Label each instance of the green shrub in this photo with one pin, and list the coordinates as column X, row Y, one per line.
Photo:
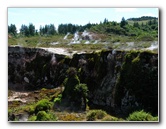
column 43, row 116
column 30, row 109
column 32, row 118
column 70, row 117
column 72, row 72
column 145, row 37
column 109, row 118
column 44, row 89
column 43, row 105
column 52, row 116
column 70, row 83
column 81, row 90
column 155, row 118
column 58, row 99
column 141, row 116
column 74, row 91
column 80, row 96
column 93, row 115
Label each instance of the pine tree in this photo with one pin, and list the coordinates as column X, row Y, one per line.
column 51, row 29
column 31, row 29
column 136, row 24
column 12, row 29
column 123, row 22
column 105, row 21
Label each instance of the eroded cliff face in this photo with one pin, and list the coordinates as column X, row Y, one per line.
column 31, row 68
column 118, row 81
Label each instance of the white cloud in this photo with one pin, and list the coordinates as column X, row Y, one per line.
column 125, row 9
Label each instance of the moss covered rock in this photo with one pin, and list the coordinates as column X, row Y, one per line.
column 138, row 81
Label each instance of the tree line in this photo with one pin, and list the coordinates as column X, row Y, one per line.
column 142, row 18
column 50, row 29
column 47, row 29
column 105, row 27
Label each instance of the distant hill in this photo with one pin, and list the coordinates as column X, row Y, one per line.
column 142, row 18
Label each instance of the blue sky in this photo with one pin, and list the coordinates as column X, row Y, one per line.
column 80, row 16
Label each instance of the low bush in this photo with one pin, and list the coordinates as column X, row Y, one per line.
column 70, row 117
column 58, row 99
column 43, row 105
column 145, row 37
column 93, row 115
column 141, row 116
column 32, row 118
column 109, row 118
column 30, row 109
column 43, row 116
column 81, row 89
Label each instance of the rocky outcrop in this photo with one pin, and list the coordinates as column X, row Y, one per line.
column 118, row 81
column 32, row 68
